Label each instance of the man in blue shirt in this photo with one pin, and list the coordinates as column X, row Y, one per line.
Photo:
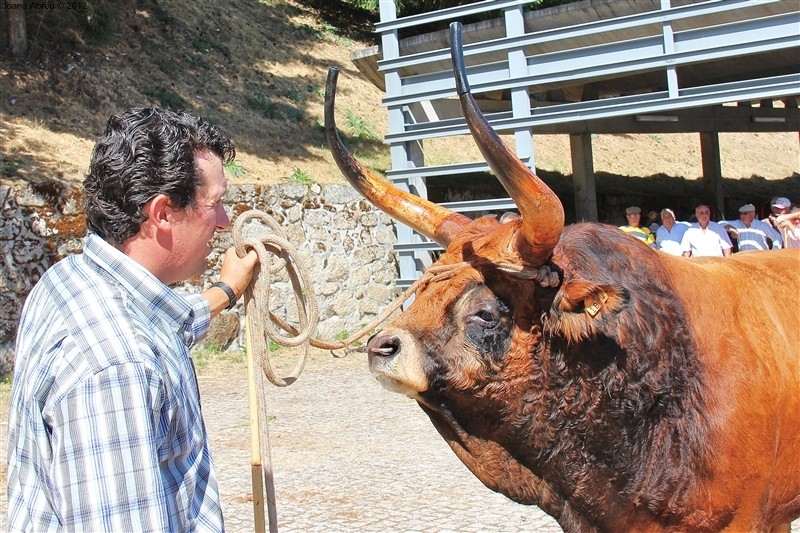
column 670, row 234
column 105, row 431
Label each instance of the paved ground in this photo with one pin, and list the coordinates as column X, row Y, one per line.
column 348, row 457
column 351, row 457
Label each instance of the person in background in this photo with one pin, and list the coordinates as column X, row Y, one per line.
column 105, row 431
column 652, row 225
column 634, row 215
column 752, row 234
column 789, row 225
column 778, row 206
column 670, row 234
column 705, row 238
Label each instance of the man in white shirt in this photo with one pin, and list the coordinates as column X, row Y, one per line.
column 670, row 234
column 705, row 238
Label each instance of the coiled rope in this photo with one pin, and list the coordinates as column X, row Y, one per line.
column 276, row 253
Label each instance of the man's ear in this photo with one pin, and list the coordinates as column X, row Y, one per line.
column 160, row 213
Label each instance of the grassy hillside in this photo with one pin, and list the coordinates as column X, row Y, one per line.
column 258, row 69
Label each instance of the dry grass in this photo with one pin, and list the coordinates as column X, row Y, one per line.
column 220, row 62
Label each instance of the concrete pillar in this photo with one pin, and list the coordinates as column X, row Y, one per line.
column 712, row 170
column 583, row 176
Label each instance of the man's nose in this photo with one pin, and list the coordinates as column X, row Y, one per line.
column 223, row 222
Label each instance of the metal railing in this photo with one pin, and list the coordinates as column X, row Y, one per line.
column 525, row 61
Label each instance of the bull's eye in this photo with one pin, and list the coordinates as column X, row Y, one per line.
column 485, row 318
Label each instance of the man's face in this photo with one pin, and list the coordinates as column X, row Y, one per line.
column 747, row 217
column 633, row 220
column 703, row 214
column 195, row 226
column 779, row 210
column 667, row 219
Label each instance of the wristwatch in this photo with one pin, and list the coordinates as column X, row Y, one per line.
column 227, row 290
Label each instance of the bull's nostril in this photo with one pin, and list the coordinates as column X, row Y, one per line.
column 384, row 346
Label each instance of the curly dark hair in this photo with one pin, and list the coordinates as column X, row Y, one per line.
column 142, row 153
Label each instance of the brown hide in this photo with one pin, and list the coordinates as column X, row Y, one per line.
column 690, row 424
column 746, row 324
column 625, row 390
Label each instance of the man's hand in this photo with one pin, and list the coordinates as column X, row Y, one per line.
column 237, row 271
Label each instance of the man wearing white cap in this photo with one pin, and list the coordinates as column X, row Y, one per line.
column 670, row 234
column 752, row 234
column 779, row 206
column 634, row 215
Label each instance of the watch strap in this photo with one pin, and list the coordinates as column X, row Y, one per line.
column 227, row 290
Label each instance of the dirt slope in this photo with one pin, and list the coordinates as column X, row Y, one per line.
column 258, row 70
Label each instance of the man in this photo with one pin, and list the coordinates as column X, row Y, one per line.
column 670, row 234
column 778, row 206
column 634, row 215
column 752, row 234
column 704, row 237
column 789, row 225
column 105, row 431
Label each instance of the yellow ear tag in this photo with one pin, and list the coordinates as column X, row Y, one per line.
column 593, row 306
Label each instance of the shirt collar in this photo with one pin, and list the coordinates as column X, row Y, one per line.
column 139, row 281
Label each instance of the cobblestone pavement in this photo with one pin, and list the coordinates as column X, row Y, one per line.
column 348, row 457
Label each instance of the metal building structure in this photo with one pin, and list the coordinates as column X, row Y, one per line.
column 606, row 66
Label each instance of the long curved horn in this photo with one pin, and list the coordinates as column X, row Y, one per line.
column 541, row 210
column 432, row 220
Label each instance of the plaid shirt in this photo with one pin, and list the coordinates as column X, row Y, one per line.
column 105, row 430
column 755, row 237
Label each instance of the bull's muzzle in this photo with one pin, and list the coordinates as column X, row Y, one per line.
column 383, row 346
column 396, row 361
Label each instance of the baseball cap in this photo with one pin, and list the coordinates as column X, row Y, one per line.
column 633, row 210
column 780, row 201
column 746, row 208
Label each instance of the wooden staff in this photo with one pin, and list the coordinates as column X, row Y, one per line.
column 255, row 442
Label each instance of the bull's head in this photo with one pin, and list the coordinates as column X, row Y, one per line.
column 461, row 341
column 490, row 354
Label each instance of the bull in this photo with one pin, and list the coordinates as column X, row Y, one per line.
column 574, row 368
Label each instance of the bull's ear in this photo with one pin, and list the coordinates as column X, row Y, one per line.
column 581, row 305
column 583, row 296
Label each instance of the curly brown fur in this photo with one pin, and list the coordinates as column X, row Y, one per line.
column 624, row 391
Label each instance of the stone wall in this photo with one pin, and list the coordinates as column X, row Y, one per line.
column 343, row 241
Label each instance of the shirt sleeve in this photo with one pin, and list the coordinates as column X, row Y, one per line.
column 685, row 242
column 724, row 240
column 105, row 434
column 651, row 239
column 202, row 314
column 775, row 236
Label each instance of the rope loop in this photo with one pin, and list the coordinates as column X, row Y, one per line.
column 276, row 253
